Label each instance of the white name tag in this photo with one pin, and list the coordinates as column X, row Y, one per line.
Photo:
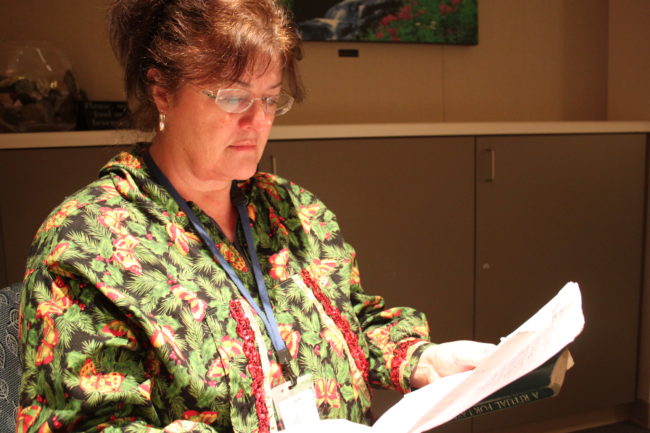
column 295, row 405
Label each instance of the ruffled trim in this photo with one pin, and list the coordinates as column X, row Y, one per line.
column 341, row 322
column 401, row 358
column 254, row 366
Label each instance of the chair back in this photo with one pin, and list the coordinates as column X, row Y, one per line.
column 10, row 361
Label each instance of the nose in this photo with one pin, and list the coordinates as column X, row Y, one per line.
column 256, row 116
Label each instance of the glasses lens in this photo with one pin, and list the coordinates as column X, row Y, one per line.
column 239, row 100
column 233, row 100
column 282, row 104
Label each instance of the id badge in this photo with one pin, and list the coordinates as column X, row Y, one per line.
column 295, row 405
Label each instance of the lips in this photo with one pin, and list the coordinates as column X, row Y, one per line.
column 243, row 148
column 245, row 144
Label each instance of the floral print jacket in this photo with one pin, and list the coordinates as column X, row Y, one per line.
column 129, row 324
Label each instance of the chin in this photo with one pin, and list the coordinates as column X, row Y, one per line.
column 245, row 174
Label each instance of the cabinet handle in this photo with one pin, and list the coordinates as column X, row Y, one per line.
column 492, row 155
column 274, row 164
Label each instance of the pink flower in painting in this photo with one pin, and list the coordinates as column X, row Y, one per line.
column 405, row 13
column 387, row 20
column 445, row 9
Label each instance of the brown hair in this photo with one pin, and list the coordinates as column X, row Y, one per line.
column 198, row 41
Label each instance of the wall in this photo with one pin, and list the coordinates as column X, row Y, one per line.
column 77, row 28
column 536, row 60
column 629, row 60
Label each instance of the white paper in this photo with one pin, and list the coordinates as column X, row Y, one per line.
column 554, row 326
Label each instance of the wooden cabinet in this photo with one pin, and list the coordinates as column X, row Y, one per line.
column 33, row 182
column 544, row 210
column 478, row 232
column 558, row 209
column 407, row 206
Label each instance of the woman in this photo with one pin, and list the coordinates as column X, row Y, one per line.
column 182, row 291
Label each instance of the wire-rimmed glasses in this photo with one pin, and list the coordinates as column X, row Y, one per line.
column 239, row 100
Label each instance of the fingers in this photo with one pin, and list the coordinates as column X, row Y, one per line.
column 449, row 358
column 458, row 356
column 470, row 353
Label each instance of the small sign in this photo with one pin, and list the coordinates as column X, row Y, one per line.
column 103, row 114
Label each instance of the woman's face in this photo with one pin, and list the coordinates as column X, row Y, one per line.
column 213, row 144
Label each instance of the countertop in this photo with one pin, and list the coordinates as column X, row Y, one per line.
column 312, row 132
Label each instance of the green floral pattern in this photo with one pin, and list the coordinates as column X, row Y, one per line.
column 128, row 323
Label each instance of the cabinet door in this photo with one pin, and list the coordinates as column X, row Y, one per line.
column 34, row 182
column 552, row 209
column 407, row 206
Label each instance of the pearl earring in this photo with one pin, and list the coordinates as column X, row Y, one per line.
column 161, row 122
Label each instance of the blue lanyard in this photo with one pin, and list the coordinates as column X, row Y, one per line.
column 267, row 316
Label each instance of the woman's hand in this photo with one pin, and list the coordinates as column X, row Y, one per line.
column 449, row 358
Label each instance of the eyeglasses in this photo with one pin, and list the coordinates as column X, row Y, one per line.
column 239, row 100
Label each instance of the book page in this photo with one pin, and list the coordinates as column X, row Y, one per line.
column 543, row 335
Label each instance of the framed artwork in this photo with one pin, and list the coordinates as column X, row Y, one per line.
column 406, row 21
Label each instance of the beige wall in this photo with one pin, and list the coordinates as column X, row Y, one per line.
column 629, row 60
column 536, row 60
column 77, row 28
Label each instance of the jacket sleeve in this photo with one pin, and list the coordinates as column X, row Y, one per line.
column 396, row 337
column 86, row 368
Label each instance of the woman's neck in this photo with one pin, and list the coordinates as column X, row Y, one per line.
column 212, row 197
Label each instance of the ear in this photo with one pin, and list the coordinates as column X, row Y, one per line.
column 161, row 96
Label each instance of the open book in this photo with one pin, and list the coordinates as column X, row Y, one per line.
column 530, row 346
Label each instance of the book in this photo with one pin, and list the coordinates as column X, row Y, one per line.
column 543, row 382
